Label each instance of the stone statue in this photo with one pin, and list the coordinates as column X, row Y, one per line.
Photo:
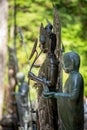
column 9, row 121
column 47, row 109
column 12, row 71
column 22, row 98
column 70, row 102
column 26, row 114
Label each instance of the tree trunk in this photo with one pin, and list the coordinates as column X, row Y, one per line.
column 3, row 42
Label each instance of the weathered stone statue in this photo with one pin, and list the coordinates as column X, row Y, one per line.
column 70, row 102
column 12, row 71
column 26, row 114
column 22, row 99
column 47, row 109
column 9, row 121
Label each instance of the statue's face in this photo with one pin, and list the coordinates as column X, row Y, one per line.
column 43, row 43
column 71, row 62
column 67, row 64
column 45, row 38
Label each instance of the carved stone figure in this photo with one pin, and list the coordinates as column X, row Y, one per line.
column 9, row 121
column 22, row 99
column 70, row 102
column 26, row 116
column 12, row 70
column 47, row 109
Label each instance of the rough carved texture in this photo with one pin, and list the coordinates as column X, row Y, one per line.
column 48, row 73
column 47, row 109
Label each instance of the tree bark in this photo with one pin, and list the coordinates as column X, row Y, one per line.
column 3, row 42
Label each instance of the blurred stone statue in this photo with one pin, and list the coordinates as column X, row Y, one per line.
column 26, row 114
column 70, row 102
column 12, row 71
column 9, row 121
column 22, row 99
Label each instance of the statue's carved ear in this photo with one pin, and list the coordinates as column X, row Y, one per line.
column 33, row 49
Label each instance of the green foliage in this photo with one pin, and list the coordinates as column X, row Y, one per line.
column 73, row 16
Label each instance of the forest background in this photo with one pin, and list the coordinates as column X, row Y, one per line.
column 30, row 14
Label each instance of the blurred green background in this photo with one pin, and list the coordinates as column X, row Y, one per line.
column 30, row 14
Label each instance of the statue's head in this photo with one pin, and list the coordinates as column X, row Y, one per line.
column 20, row 77
column 47, row 38
column 71, row 62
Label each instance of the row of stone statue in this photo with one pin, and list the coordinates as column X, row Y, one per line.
column 69, row 114
column 57, row 110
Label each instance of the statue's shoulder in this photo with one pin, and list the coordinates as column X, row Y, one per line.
column 77, row 77
column 80, row 78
